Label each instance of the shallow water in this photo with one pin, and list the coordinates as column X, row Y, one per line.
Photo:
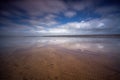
column 59, row 58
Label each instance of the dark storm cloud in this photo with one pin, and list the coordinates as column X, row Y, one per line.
column 59, row 16
column 56, row 6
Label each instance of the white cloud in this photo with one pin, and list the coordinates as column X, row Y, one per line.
column 39, row 27
column 94, row 26
column 54, row 31
column 77, row 25
column 100, row 25
column 42, row 31
column 58, row 30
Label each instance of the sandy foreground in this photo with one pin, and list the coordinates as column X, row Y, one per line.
column 56, row 63
column 59, row 60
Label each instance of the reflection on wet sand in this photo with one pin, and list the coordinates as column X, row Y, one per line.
column 59, row 59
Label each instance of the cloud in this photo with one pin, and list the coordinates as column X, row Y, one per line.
column 46, row 21
column 57, row 30
column 99, row 25
column 70, row 14
column 81, row 5
column 54, row 31
column 107, row 10
column 103, row 25
column 39, row 7
column 60, row 16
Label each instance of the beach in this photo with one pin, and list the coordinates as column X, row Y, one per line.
column 60, row 59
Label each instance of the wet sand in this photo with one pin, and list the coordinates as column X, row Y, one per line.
column 58, row 62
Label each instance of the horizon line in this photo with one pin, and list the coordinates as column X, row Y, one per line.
column 79, row 35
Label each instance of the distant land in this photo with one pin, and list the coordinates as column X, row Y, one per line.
column 90, row 35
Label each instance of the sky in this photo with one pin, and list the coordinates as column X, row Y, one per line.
column 59, row 17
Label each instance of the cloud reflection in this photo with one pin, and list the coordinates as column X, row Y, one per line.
column 76, row 44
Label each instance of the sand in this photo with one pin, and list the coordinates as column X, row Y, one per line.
column 57, row 63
